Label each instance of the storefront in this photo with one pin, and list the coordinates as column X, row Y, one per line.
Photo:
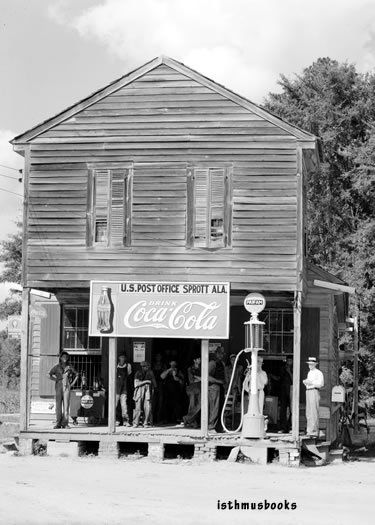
column 160, row 327
column 168, row 181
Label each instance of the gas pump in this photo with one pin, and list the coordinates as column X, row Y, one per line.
column 252, row 423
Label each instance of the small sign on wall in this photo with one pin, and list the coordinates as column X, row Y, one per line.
column 43, row 407
column 14, row 326
column 338, row 394
column 139, row 351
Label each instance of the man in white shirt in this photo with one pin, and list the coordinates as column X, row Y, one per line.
column 314, row 382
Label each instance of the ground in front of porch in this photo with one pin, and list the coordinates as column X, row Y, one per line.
column 56, row 490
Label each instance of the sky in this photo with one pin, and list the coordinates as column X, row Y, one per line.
column 56, row 52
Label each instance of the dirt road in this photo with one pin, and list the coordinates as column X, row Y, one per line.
column 89, row 490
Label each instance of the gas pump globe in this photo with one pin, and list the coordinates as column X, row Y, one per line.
column 253, row 421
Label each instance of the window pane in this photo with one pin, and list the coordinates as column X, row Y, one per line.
column 288, row 322
column 276, row 344
column 101, row 228
column 288, row 344
column 69, row 339
column 275, row 321
column 69, row 317
column 82, row 318
column 82, row 339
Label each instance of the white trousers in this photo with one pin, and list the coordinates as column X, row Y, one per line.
column 312, row 411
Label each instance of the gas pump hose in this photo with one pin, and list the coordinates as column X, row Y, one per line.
column 227, row 397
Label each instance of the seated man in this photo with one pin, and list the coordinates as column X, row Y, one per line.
column 144, row 383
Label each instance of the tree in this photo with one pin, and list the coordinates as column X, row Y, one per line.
column 11, row 256
column 337, row 104
column 10, row 349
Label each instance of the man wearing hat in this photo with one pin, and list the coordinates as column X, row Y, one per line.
column 313, row 383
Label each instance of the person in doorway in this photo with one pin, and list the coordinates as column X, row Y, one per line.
column 216, row 388
column 65, row 378
column 193, row 391
column 158, row 368
column 286, row 385
column 123, row 372
column 144, row 384
column 172, row 386
column 313, row 383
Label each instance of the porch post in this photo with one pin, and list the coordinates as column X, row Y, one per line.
column 112, row 358
column 204, row 386
column 24, row 395
column 297, row 309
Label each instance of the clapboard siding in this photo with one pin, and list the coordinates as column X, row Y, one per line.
column 163, row 123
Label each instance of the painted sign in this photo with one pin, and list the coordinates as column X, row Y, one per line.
column 254, row 303
column 87, row 402
column 14, row 326
column 42, row 407
column 338, row 394
column 139, row 351
column 195, row 310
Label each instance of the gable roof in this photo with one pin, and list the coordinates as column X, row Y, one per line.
column 67, row 113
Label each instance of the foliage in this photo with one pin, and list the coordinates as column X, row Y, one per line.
column 11, row 256
column 10, row 350
column 10, row 306
column 337, row 104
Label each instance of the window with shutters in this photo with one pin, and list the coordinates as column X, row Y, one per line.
column 109, row 214
column 209, row 209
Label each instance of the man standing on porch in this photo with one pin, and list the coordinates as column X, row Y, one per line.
column 314, row 382
column 65, row 378
column 123, row 372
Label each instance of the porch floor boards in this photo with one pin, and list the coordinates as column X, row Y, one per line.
column 171, row 434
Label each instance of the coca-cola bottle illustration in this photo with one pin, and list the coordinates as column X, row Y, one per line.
column 104, row 311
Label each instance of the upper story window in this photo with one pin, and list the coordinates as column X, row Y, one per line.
column 109, row 208
column 209, row 209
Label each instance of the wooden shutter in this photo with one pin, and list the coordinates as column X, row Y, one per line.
column 201, row 207
column 217, row 191
column 310, row 342
column 228, row 207
column 101, row 203
column 118, row 196
column 49, row 347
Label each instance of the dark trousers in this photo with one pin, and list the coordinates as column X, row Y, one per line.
column 284, row 405
column 62, row 397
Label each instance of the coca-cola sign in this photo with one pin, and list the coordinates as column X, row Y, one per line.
column 195, row 310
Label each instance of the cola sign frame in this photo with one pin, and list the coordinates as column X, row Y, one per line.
column 188, row 310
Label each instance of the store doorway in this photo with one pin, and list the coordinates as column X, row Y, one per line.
column 171, row 360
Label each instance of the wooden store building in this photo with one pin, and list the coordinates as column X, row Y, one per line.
column 165, row 181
